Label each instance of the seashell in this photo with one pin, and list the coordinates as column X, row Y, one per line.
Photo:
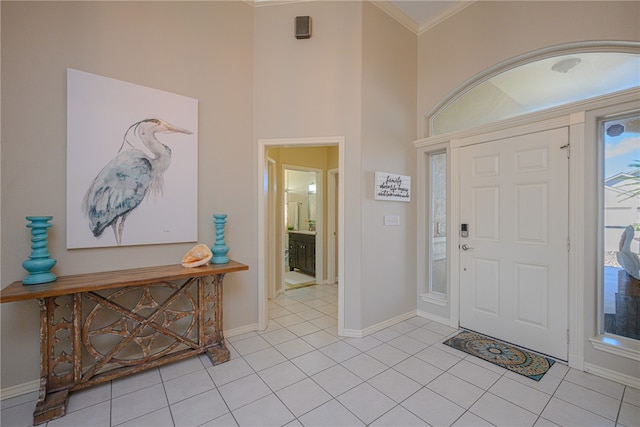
column 198, row 255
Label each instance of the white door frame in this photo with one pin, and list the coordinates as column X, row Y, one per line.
column 263, row 190
column 333, row 177
column 272, row 272
column 582, row 139
column 521, row 125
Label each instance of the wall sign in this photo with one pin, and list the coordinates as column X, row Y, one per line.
column 389, row 186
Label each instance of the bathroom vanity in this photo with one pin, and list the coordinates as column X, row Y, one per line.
column 302, row 251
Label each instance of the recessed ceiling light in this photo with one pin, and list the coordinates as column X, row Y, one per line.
column 566, row 64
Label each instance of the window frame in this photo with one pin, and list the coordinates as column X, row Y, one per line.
column 604, row 341
column 425, row 251
column 520, row 60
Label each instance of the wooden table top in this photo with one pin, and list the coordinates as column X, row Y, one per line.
column 65, row 285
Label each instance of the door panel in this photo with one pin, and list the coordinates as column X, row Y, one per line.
column 531, row 213
column 486, row 286
column 486, row 213
column 514, row 271
column 531, row 284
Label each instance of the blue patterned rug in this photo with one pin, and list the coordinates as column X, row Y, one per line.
column 502, row 354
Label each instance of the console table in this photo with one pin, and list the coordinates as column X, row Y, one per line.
column 101, row 326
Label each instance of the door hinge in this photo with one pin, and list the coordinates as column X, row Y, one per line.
column 568, row 244
column 568, row 336
column 568, row 148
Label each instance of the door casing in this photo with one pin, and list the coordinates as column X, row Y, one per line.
column 448, row 311
column 582, row 134
column 333, row 177
column 263, row 241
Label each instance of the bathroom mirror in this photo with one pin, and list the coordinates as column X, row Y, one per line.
column 300, row 200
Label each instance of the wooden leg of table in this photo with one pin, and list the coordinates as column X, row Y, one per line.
column 218, row 354
column 53, row 406
column 49, row 405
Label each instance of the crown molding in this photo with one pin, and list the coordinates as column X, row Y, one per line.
column 264, row 3
column 387, row 7
column 455, row 8
column 390, row 9
column 397, row 14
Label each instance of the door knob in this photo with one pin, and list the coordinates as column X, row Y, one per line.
column 466, row 248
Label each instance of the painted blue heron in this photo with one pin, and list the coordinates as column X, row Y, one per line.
column 124, row 182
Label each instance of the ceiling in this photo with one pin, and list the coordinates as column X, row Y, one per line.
column 420, row 15
column 416, row 15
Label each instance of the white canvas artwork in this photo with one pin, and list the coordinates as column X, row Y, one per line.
column 132, row 164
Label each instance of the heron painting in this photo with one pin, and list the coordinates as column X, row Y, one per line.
column 129, row 181
column 125, row 181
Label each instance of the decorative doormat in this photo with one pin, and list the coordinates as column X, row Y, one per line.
column 499, row 353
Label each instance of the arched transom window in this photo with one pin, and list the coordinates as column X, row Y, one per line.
column 541, row 82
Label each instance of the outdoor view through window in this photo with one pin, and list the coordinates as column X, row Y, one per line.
column 622, row 226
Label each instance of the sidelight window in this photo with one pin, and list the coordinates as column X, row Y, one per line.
column 438, row 221
column 621, row 219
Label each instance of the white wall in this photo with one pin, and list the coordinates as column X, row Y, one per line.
column 388, row 131
column 253, row 80
column 312, row 88
column 202, row 50
column 355, row 77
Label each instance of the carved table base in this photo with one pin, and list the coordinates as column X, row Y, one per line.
column 99, row 333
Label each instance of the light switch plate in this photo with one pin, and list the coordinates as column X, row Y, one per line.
column 391, row 220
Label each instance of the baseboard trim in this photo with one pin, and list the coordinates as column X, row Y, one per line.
column 20, row 389
column 352, row 333
column 359, row 333
column 31, row 386
column 242, row 330
column 576, row 362
column 439, row 319
column 612, row 375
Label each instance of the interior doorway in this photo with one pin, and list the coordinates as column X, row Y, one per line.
column 270, row 245
column 303, row 230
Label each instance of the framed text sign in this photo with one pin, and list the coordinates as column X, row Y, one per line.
column 389, row 186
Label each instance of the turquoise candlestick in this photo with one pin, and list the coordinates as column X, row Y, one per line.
column 40, row 262
column 220, row 249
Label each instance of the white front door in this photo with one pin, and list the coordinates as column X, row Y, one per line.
column 514, row 263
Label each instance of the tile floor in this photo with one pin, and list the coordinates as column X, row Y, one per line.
column 299, row 372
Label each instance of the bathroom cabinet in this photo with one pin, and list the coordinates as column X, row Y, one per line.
column 302, row 252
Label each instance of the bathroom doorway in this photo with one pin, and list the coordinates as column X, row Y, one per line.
column 302, row 214
column 274, row 155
